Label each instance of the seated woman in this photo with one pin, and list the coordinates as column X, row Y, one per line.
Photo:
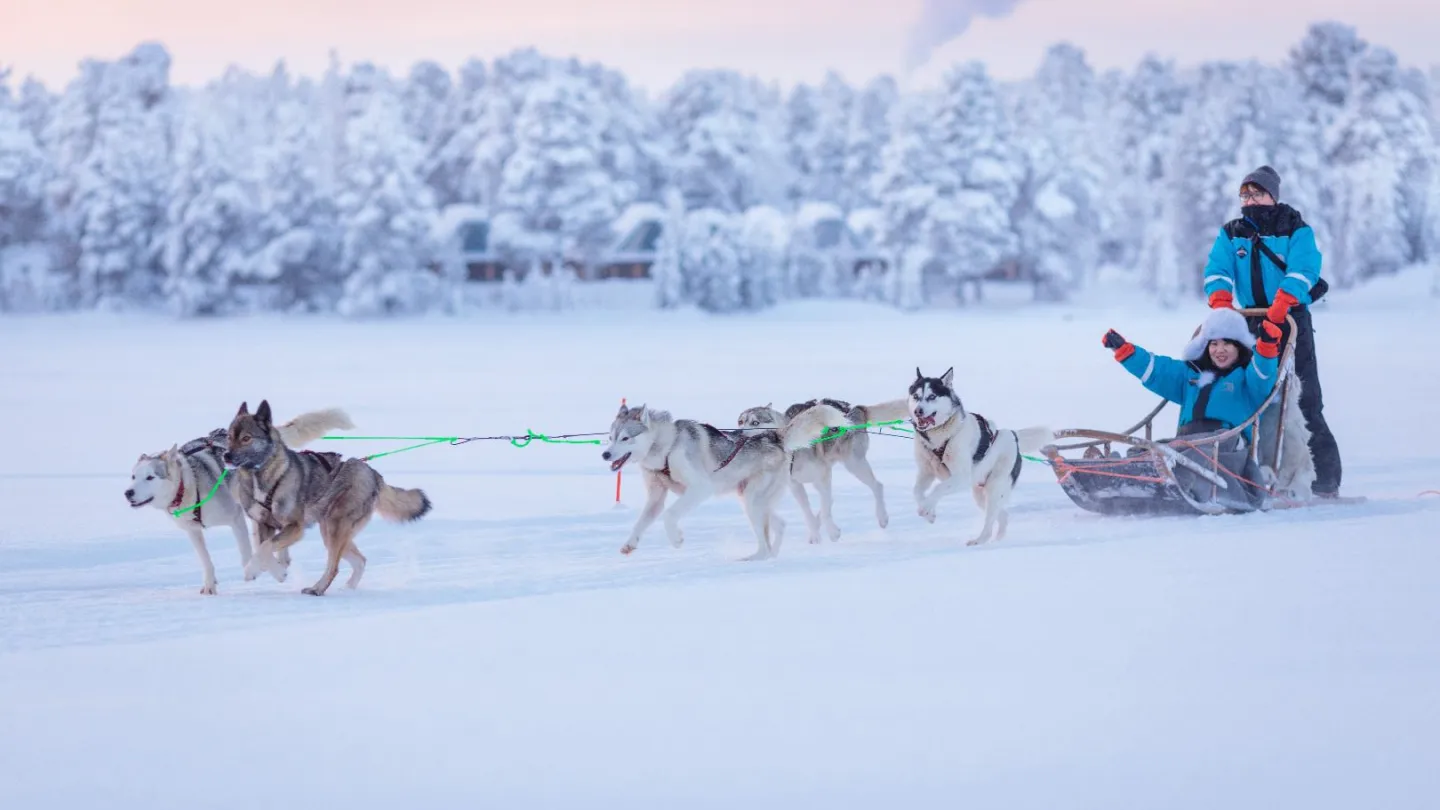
column 1223, row 377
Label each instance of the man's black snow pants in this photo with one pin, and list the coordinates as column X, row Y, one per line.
column 1322, row 442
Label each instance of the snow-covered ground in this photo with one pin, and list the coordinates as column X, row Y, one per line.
column 502, row 653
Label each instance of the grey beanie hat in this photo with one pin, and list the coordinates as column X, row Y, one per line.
column 1266, row 178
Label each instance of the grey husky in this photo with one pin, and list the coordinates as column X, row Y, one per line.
column 698, row 461
column 285, row 492
column 181, row 477
column 812, row 465
column 962, row 449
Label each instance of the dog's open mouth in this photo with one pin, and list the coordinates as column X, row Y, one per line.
column 922, row 421
column 134, row 505
column 619, row 462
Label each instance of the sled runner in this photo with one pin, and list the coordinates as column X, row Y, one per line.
column 1221, row 472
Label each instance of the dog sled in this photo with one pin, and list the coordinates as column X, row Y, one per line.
column 1232, row 471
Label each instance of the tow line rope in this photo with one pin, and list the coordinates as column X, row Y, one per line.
column 585, row 438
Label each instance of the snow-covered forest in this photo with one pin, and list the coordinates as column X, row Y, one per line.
column 270, row 192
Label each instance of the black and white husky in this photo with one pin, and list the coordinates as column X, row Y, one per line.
column 962, row 449
column 697, row 461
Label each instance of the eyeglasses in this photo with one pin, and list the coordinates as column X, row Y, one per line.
column 1250, row 196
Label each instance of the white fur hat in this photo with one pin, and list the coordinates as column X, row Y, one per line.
column 1223, row 323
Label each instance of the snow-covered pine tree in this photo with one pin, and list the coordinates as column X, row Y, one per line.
column 830, row 148
column 668, row 271
column 763, row 233
column 1321, row 64
column 25, row 279
column 816, row 137
column 35, row 105
column 298, row 230
column 1382, row 150
column 385, row 209
column 1202, row 166
column 802, row 123
column 712, row 257
column 423, row 98
column 554, row 188
column 979, row 181
column 463, row 125
column 1146, row 117
column 211, row 216
column 633, row 148
column 1062, row 212
column 117, row 207
column 866, row 133
column 729, row 153
column 905, row 186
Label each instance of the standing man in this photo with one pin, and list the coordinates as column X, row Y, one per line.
column 1268, row 259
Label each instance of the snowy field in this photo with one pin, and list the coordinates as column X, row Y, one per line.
column 502, row 653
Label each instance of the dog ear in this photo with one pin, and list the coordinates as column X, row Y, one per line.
column 644, row 416
column 622, row 412
column 262, row 413
column 918, row 375
column 948, row 377
column 244, row 409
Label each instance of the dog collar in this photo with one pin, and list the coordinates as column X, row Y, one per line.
column 179, row 495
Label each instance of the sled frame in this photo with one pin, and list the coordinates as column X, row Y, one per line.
column 1164, row 459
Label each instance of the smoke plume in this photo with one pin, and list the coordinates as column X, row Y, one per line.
column 943, row 20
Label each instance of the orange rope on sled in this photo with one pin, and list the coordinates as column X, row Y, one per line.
column 1068, row 468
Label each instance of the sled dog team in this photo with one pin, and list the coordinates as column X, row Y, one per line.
column 257, row 471
column 1266, row 258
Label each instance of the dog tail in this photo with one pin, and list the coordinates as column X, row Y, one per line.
column 1033, row 438
column 810, row 424
column 307, row 427
column 885, row 411
column 401, row 505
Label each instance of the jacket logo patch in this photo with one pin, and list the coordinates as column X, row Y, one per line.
column 1228, row 388
column 1242, row 253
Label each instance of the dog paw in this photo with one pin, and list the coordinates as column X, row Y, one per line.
column 927, row 511
column 250, row 576
column 311, row 592
column 883, row 520
column 626, row 549
column 678, row 539
column 208, row 589
column 977, row 541
column 834, row 533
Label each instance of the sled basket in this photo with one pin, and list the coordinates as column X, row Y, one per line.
column 1132, row 473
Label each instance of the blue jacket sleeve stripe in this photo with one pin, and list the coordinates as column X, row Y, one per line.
column 1302, row 265
column 1221, row 280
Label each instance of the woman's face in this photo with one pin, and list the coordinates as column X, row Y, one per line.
column 1223, row 354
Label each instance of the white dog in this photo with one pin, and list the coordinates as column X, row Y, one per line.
column 962, row 449
column 698, row 461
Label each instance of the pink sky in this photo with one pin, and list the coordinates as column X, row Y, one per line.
column 654, row 41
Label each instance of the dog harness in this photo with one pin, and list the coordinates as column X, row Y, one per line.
column 987, row 437
column 205, row 446
column 180, row 497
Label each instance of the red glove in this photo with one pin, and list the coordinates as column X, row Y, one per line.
column 1222, row 299
column 1123, row 348
column 1281, row 306
column 1267, row 343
